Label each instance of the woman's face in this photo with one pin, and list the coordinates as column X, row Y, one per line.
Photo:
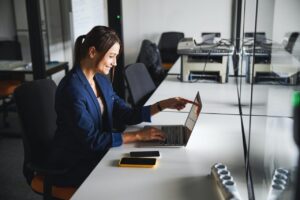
column 109, row 60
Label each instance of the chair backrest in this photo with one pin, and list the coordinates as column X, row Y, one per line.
column 35, row 106
column 10, row 50
column 296, row 49
column 150, row 56
column 168, row 46
column 291, row 41
column 140, row 83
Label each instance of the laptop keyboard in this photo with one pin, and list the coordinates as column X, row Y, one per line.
column 173, row 134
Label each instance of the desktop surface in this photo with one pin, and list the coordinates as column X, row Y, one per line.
column 181, row 173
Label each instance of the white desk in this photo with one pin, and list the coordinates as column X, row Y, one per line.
column 182, row 173
column 216, row 97
column 175, row 69
column 269, row 100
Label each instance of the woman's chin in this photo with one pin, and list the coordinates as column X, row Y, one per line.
column 104, row 72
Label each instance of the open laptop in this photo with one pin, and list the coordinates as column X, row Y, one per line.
column 179, row 135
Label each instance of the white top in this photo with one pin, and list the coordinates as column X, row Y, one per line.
column 101, row 105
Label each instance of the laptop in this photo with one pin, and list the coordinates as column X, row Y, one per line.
column 179, row 135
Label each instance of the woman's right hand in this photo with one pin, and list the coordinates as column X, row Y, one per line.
column 146, row 134
column 149, row 134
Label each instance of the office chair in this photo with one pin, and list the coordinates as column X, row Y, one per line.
column 291, row 42
column 139, row 82
column 296, row 49
column 9, row 50
column 35, row 106
column 168, row 47
column 149, row 55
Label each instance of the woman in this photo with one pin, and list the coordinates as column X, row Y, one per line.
column 86, row 107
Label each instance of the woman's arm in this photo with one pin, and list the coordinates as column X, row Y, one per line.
column 172, row 103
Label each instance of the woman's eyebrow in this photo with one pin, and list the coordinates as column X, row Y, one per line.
column 112, row 53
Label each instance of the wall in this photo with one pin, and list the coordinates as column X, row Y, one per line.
column 144, row 19
column 87, row 14
column 7, row 27
column 286, row 18
column 264, row 16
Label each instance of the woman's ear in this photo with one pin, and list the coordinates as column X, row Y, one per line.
column 92, row 52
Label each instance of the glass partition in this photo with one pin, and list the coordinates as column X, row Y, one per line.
column 270, row 74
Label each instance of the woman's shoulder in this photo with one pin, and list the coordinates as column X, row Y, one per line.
column 71, row 83
column 71, row 78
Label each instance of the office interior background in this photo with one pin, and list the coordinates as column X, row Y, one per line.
column 265, row 86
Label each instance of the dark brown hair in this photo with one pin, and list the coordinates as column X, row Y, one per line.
column 100, row 37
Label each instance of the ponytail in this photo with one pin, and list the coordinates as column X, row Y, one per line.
column 78, row 54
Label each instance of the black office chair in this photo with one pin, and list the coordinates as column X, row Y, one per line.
column 291, row 42
column 149, row 55
column 168, row 47
column 139, row 82
column 35, row 106
column 9, row 50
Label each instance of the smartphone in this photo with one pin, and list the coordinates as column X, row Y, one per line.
column 144, row 154
column 137, row 162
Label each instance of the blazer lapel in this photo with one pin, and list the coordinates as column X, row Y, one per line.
column 89, row 89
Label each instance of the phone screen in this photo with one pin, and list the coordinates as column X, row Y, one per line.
column 144, row 154
column 137, row 162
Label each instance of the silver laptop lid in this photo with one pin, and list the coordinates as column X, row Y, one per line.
column 194, row 113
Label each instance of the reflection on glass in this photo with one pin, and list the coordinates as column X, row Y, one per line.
column 270, row 65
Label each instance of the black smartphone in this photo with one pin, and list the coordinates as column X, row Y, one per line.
column 137, row 162
column 144, row 154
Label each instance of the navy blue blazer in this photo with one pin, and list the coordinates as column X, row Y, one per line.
column 83, row 135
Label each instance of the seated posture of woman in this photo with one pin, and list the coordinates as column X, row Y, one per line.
column 86, row 107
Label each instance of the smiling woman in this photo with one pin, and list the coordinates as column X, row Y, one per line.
column 87, row 108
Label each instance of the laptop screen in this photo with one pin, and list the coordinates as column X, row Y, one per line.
column 194, row 113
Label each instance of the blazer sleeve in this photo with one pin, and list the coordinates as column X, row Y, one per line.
column 87, row 130
column 127, row 115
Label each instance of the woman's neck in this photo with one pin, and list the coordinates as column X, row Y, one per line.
column 88, row 71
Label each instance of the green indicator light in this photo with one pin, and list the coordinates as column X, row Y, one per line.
column 118, row 17
column 296, row 99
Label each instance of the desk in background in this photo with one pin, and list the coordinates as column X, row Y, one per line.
column 272, row 63
column 18, row 69
column 216, row 97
